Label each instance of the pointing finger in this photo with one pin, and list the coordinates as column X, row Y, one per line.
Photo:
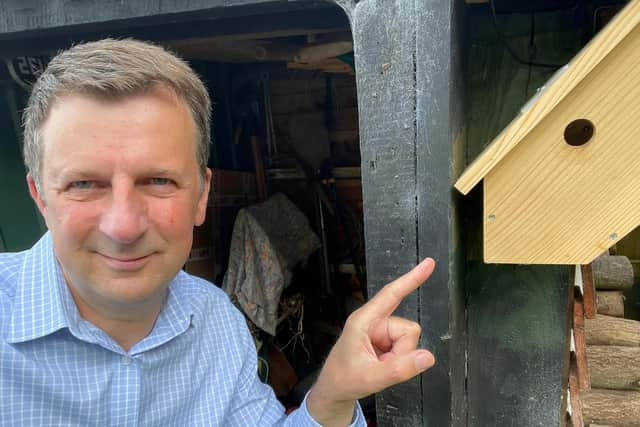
column 387, row 300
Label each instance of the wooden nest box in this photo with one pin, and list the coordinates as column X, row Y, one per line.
column 562, row 181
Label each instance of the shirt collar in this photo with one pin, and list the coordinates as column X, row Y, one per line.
column 38, row 308
column 175, row 317
column 44, row 305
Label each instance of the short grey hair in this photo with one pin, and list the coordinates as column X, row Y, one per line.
column 113, row 69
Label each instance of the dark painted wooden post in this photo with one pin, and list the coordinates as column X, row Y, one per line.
column 440, row 157
column 410, row 115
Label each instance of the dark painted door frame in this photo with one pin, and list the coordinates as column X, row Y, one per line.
column 410, row 107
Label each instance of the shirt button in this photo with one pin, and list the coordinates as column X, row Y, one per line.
column 127, row 360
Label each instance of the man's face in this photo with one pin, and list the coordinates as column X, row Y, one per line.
column 120, row 193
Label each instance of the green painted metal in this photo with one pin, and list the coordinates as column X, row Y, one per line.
column 20, row 224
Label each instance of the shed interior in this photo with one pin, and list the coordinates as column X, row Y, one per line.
column 285, row 121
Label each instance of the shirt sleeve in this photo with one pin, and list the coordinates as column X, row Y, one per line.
column 255, row 403
column 307, row 420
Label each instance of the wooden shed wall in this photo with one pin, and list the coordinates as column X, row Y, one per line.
column 517, row 315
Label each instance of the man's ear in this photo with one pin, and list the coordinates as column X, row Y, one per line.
column 201, row 209
column 36, row 195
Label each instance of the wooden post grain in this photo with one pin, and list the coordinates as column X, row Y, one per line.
column 574, row 390
column 588, row 292
column 579, row 338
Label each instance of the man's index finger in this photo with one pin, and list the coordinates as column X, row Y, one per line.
column 389, row 297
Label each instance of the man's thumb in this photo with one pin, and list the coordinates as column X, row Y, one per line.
column 404, row 367
column 423, row 360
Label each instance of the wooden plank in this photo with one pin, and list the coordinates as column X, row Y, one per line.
column 582, row 369
column 526, row 219
column 574, row 388
column 607, row 330
column 16, row 17
column 331, row 65
column 588, row 292
column 611, row 407
column 387, row 145
column 614, row 367
column 611, row 303
column 578, row 70
column 261, row 18
column 518, row 337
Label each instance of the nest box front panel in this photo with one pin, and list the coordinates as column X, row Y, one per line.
column 571, row 188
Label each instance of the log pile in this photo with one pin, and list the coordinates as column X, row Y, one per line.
column 604, row 379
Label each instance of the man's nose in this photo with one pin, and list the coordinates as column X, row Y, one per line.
column 125, row 217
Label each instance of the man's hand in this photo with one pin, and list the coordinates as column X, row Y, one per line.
column 375, row 350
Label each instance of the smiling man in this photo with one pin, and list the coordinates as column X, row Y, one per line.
column 99, row 324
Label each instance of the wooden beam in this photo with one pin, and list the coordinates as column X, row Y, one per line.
column 217, row 24
column 588, row 292
column 574, row 389
column 403, row 55
column 239, row 51
column 439, row 31
column 45, row 15
column 388, row 188
column 582, row 370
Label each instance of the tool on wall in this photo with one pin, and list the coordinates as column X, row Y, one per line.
column 247, row 114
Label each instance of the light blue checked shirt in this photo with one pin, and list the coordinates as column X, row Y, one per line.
column 197, row 367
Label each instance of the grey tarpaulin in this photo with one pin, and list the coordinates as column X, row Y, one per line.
column 268, row 240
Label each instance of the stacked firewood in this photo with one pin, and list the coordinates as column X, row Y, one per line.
column 604, row 380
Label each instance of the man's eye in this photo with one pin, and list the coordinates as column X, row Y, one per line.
column 81, row 185
column 159, row 181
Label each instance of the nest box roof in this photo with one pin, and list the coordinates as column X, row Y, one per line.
column 558, row 87
column 562, row 181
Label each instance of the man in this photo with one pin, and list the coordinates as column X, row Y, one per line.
column 99, row 324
